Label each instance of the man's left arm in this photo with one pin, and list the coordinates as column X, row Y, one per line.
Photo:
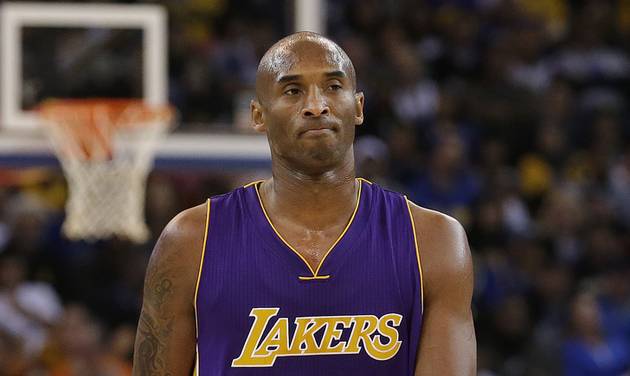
column 447, row 344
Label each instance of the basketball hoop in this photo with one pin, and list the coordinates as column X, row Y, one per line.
column 106, row 149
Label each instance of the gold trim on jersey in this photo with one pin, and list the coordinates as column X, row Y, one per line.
column 252, row 183
column 302, row 278
column 199, row 270
column 196, row 369
column 415, row 242
column 315, row 272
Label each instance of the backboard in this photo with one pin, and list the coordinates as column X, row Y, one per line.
column 74, row 43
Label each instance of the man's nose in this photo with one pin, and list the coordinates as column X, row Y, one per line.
column 316, row 104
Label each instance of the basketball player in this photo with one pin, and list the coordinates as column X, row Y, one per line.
column 313, row 271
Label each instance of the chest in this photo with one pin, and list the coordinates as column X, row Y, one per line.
column 365, row 266
column 312, row 245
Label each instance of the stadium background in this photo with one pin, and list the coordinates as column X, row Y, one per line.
column 509, row 115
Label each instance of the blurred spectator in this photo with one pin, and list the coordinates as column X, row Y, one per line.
column 27, row 309
column 71, row 344
column 416, row 98
column 614, row 299
column 447, row 184
column 619, row 182
column 589, row 350
column 371, row 156
column 13, row 361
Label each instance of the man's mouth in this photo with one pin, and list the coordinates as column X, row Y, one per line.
column 317, row 130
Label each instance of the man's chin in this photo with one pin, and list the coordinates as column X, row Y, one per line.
column 315, row 159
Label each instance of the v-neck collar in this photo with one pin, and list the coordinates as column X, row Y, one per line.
column 272, row 235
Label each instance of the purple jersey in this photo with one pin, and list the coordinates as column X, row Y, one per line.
column 262, row 310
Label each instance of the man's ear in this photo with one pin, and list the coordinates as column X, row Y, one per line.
column 359, row 101
column 258, row 119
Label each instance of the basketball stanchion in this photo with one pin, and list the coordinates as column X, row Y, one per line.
column 106, row 149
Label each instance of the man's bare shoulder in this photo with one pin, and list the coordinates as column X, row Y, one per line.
column 181, row 241
column 188, row 225
column 433, row 226
column 432, row 217
column 443, row 247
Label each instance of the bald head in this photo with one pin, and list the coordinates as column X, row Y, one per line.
column 300, row 47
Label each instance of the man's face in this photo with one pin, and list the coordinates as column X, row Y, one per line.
column 308, row 106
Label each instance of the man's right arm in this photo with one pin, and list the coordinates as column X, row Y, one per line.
column 166, row 335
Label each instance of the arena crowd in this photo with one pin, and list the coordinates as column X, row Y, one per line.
column 510, row 115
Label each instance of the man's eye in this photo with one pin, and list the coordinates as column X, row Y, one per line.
column 335, row 87
column 291, row 92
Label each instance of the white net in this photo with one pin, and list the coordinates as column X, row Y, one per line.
column 106, row 150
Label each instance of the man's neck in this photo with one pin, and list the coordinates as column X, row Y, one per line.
column 316, row 200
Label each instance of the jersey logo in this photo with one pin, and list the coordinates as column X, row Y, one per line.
column 361, row 331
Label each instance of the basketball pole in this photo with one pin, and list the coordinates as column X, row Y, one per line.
column 309, row 16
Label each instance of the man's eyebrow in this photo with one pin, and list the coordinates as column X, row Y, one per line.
column 337, row 74
column 297, row 77
column 289, row 77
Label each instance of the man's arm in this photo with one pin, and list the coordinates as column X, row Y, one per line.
column 166, row 335
column 447, row 344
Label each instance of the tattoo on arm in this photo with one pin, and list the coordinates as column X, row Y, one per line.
column 156, row 323
column 150, row 361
